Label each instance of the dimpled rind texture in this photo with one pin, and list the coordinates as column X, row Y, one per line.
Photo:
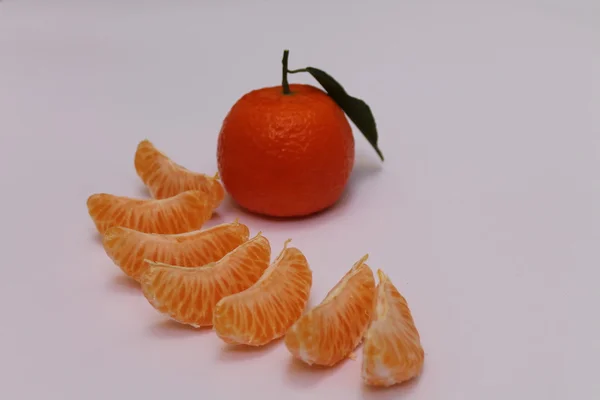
column 285, row 155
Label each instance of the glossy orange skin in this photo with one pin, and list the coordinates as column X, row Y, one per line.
column 285, row 155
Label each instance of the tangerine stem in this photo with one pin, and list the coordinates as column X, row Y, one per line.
column 295, row 71
column 284, row 72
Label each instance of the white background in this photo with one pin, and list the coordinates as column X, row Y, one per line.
column 485, row 214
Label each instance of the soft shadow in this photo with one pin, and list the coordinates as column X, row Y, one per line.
column 97, row 237
column 143, row 192
column 302, row 375
column 169, row 329
column 217, row 218
column 365, row 167
column 124, row 284
column 401, row 390
column 236, row 353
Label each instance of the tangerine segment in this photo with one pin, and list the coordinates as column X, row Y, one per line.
column 330, row 332
column 392, row 352
column 188, row 295
column 129, row 248
column 165, row 178
column 185, row 212
column 266, row 310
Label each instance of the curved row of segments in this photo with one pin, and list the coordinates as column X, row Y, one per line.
column 217, row 277
column 221, row 277
column 353, row 310
column 250, row 301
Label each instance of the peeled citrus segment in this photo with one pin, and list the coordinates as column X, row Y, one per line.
column 266, row 310
column 392, row 351
column 189, row 295
column 329, row 333
column 164, row 178
column 129, row 248
column 184, row 212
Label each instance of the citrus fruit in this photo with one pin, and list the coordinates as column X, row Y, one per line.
column 184, row 212
column 330, row 332
column 129, row 248
column 285, row 155
column 188, row 295
column 266, row 310
column 392, row 351
column 165, row 178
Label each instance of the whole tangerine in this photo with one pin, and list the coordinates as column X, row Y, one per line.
column 285, row 151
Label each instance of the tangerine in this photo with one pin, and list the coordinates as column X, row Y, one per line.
column 267, row 309
column 329, row 333
column 392, row 351
column 165, row 178
column 188, row 295
column 285, row 155
column 129, row 248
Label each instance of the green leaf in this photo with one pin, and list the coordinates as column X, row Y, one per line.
column 357, row 110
